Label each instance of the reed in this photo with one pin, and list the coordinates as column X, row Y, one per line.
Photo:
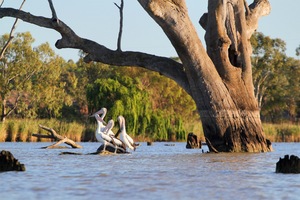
column 11, row 131
column 73, row 131
column 88, row 134
column 284, row 132
column 22, row 130
column 196, row 128
column 2, row 132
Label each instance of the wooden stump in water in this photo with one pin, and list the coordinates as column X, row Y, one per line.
column 9, row 163
column 149, row 143
column 192, row 142
column 289, row 164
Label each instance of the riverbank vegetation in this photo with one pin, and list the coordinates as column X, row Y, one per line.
column 39, row 87
column 21, row 130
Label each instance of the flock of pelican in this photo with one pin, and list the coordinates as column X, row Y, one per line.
column 105, row 135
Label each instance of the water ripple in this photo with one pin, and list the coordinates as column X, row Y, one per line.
column 151, row 172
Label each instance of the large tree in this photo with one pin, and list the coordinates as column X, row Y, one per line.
column 19, row 63
column 218, row 78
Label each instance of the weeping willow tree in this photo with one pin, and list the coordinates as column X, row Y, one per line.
column 122, row 95
column 218, row 77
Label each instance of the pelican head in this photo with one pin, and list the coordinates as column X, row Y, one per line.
column 102, row 111
column 120, row 119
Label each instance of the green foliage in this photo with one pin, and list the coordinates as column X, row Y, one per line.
column 276, row 79
column 284, row 132
column 30, row 82
column 152, row 105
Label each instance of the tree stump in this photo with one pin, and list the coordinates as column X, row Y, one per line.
column 60, row 139
column 192, row 142
column 149, row 143
column 289, row 164
column 9, row 163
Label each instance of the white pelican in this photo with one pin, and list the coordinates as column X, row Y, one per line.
column 103, row 136
column 101, row 123
column 124, row 137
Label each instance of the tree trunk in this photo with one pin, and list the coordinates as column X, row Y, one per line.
column 220, row 80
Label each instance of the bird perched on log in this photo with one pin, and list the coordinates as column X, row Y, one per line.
column 124, row 137
column 100, row 120
column 103, row 136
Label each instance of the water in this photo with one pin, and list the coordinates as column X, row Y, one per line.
column 151, row 172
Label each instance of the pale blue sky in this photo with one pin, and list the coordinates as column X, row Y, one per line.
column 98, row 20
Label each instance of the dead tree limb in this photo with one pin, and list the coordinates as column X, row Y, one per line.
column 121, row 8
column 11, row 32
column 54, row 16
column 56, row 137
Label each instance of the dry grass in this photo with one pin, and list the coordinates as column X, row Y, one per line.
column 282, row 132
column 22, row 130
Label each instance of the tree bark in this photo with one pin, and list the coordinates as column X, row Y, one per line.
column 219, row 79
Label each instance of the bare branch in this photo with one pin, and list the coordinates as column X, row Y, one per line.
column 121, row 8
column 2, row 1
column 54, row 135
column 54, row 16
column 257, row 9
column 14, row 106
column 11, row 32
column 100, row 53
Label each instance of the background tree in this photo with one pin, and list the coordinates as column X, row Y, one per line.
column 19, row 63
column 275, row 78
column 218, row 78
column 268, row 61
column 50, row 87
column 31, row 84
column 137, row 95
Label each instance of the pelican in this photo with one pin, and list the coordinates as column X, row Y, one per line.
column 100, row 120
column 103, row 136
column 124, row 137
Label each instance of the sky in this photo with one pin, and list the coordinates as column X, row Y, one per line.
column 98, row 20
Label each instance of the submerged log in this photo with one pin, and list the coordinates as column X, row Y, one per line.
column 60, row 139
column 110, row 149
column 192, row 142
column 9, row 163
column 289, row 164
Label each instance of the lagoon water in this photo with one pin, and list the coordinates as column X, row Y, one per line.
column 160, row 171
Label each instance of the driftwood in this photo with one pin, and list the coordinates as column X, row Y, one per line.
column 109, row 150
column 53, row 135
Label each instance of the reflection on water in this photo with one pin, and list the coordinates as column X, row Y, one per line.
column 151, row 172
